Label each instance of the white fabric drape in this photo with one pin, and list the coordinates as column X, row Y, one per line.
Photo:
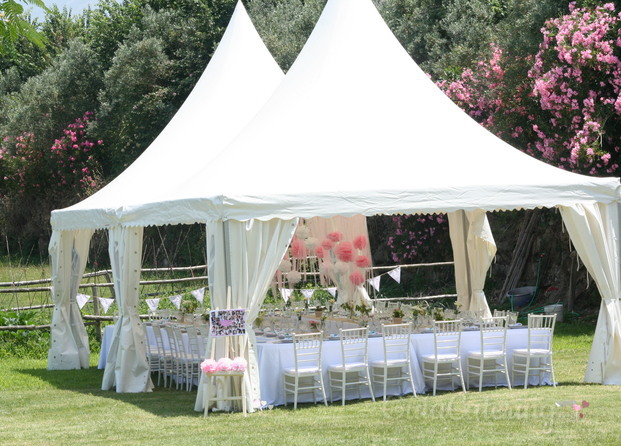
column 127, row 368
column 600, row 255
column 69, row 342
column 244, row 255
column 473, row 252
column 350, row 227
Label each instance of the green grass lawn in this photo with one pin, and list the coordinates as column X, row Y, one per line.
column 40, row 407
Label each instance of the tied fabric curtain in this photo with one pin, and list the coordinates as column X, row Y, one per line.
column 69, row 342
column 473, row 251
column 244, row 256
column 127, row 368
column 600, row 254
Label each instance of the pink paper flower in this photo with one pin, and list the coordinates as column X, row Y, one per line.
column 362, row 261
column 209, row 366
column 298, row 250
column 360, row 242
column 335, row 236
column 319, row 252
column 225, row 365
column 293, row 277
column 239, row 364
column 356, row 278
column 344, row 251
column 576, row 407
column 327, row 244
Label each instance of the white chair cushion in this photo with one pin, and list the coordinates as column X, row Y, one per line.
column 351, row 367
column 302, row 371
column 533, row 352
column 390, row 363
column 446, row 357
column 488, row 354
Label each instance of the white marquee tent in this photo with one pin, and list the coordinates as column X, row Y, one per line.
column 356, row 128
column 239, row 78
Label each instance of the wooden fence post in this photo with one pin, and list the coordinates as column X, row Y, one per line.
column 96, row 312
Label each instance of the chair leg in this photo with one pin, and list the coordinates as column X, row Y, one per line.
column 412, row 381
column 526, row 370
column 295, row 394
column 507, row 373
column 552, row 372
column 370, row 386
column 323, row 389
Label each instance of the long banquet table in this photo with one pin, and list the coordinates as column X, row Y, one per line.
column 274, row 356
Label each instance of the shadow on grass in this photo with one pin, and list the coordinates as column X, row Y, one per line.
column 161, row 402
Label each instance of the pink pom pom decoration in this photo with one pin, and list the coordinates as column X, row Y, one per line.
column 335, row 236
column 298, row 249
column 362, row 261
column 225, row 365
column 356, row 278
column 327, row 244
column 239, row 364
column 360, row 242
column 344, row 251
column 319, row 252
column 209, row 366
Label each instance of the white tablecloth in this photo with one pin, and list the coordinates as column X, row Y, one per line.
column 275, row 357
column 107, row 340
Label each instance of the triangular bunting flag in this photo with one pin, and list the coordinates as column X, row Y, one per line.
column 286, row 293
column 199, row 294
column 395, row 274
column 105, row 303
column 81, row 299
column 153, row 304
column 176, row 300
column 332, row 290
column 308, row 293
column 375, row 282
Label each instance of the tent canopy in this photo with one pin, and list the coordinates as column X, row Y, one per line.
column 238, row 80
column 357, row 128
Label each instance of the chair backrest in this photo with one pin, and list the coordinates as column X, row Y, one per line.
column 540, row 331
column 494, row 334
column 396, row 339
column 307, row 350
column 176, row 349
column 447, row 337
column 195, row 349
column 159, row 341
column 510, row 315
column 354, row 343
